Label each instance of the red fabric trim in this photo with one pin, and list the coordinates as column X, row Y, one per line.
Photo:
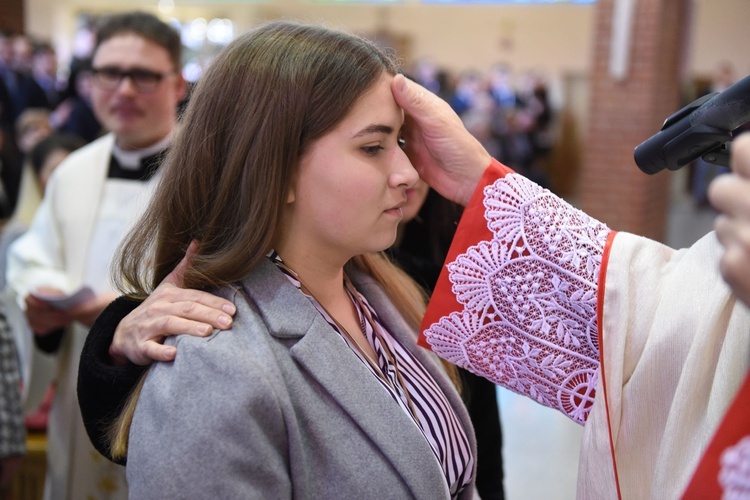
column 471, row 230
column 600, row 327
column 734, row 426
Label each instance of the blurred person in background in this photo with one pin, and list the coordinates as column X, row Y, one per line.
column 75, row 115
column 31, row 126
column 501, row 88
column 44, row 73
column 468, row 86
column 7, row 114
column 91, row 201
column 28, row 94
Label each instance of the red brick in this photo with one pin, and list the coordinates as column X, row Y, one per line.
column 624, row 113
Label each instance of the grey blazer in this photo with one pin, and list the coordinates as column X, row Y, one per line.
column 279, row 407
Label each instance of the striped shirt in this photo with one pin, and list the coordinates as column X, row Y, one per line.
column 434, row 415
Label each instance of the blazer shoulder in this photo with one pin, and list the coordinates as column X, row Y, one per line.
column 246, row 342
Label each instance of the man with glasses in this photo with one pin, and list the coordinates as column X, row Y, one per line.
column 91, row 201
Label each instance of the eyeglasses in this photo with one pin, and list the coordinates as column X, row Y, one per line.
column 110, row 78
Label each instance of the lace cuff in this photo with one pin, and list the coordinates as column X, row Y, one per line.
column 526, row 315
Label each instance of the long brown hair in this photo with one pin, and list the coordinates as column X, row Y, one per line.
column 265, row 98
column 263, row 101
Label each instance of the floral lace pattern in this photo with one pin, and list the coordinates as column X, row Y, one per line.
column 734, row 475
column 529, row 299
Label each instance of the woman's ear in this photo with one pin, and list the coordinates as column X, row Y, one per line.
column 291, row 197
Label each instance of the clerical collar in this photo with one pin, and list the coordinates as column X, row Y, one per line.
column 131, row 159
column 140, row 164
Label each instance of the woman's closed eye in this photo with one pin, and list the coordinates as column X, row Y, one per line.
column 372, row 150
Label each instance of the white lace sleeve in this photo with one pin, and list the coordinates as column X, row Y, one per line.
column 529, row 298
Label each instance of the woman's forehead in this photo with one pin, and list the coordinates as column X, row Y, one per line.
column 376, row 106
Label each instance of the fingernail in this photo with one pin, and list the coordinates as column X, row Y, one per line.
column 229, row 309
column 225, row 321
column 204, row 329
column 401, row 84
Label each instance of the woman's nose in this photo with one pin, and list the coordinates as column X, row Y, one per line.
column 404, row 174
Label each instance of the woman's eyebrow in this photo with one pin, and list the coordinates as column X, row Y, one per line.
column 374, row 129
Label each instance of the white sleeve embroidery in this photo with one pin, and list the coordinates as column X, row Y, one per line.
column 529, row 299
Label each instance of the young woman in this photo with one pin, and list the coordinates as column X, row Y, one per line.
column 292, row 187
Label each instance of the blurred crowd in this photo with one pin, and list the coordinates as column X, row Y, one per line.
column 38, row 99
column 509, row 113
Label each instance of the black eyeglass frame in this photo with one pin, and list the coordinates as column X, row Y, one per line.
column 145, row 81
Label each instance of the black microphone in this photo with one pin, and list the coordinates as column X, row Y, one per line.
column 703, row 128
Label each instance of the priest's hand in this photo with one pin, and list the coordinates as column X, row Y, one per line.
column 444, row 153
column 730, row 194
column 169, row 310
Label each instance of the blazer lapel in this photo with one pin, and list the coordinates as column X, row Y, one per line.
column 397, row 326
column 326, row 357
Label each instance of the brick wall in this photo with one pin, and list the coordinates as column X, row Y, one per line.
column 626, row 112
column 11, row 16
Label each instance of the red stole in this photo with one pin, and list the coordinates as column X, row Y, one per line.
column 727, row 458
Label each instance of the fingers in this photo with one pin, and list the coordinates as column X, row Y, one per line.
column 169, row 311
column 733, row 232
column 407, row 94
column 178, row 311
column 192, row 304
column 139, row 340
column 740, row 155
column 143, row 354
column 176, row 276
column 154, row 351
column 186, row 318
column 421, row 105
column 734, row 270
column 730, row 194
column 734, row 235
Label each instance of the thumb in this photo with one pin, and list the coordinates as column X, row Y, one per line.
column 178, row 273
column 409, row 95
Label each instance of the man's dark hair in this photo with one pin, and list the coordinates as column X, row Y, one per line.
column 144, row 25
